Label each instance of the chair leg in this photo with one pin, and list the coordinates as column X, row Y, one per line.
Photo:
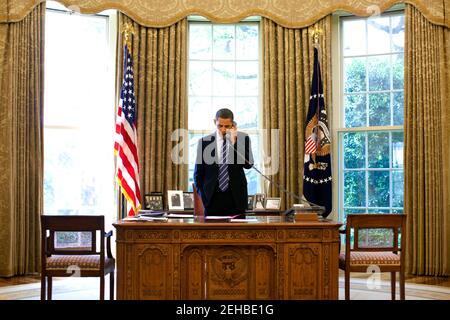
column 347, row 285
column 111, row 286
column 43, row 280
column 49, row 288
column 402, row 285
column 393, row 285
column 102, row 287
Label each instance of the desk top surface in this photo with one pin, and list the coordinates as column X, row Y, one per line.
column 266, row 221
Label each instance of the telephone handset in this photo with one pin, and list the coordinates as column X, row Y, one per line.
column 228, row 134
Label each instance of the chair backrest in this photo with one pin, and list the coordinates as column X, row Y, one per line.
column 198, row 204
column 394, row 222
column 51, row 224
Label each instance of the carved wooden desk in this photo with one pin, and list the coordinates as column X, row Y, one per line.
column 191, row 259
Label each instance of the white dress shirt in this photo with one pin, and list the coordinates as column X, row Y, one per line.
column 220, row 140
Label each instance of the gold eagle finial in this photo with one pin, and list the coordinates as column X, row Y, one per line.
column 128, row 31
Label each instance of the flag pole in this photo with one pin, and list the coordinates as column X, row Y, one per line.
column 127, row 31
column 316, row 33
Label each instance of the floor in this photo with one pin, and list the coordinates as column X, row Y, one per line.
column 363, row 287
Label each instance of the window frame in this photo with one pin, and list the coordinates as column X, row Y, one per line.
column 255, row 20
column 110, row 20
column 338, row 113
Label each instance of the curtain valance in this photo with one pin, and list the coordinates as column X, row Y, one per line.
column 287, row 13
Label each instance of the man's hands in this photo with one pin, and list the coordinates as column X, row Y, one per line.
column 233, row 134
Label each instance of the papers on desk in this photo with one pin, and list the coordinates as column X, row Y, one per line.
column 244, row 220
column 180, row 215
column 145, row 219
column 150, row 213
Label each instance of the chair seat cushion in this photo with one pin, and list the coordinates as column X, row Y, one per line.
column 363, row 258
column 84, row 262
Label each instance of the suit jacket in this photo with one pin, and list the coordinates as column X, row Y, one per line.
column 206, row 170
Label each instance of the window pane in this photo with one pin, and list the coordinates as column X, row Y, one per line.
column 355, row 74
column 397, row 188
column 354, row 150
column 200, row 78
column 378, row 35
column 229, row 78
column 247, row 44
column 397, row 149
column 224, row 42
column 379, row 109
column 354, row 189
column 379, row 73
column 378, row 189
column 253, row 178
column 354, row 210
column 378, row 149
column 247, row 78
column 222, row 102
column 373, row 96
column 354, row 37
column 398, row 33
column 355, row 110
column 397, row 71
column 247, row 108
column 193, row 143
column 200, row 113
column 397, row 104
column 223, row 78
column 61, row 172
column 66, row 35
column 78, row 164
column 200, row 38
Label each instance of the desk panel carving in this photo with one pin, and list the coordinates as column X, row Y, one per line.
column 224, row 261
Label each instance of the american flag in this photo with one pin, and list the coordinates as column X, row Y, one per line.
column 125, row 146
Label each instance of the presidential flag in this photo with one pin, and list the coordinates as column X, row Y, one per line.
column 317, row 162
column 125, row 146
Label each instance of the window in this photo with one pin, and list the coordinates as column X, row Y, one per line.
column 370, row 128
column 79, row 116
column 224, row 73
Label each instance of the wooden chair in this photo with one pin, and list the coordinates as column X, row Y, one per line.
column 61, row 262
column 387, row 258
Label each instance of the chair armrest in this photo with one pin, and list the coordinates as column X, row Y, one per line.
column 108, row 244
column 342, row 231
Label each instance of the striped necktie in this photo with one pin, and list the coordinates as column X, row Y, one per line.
column 223, row 168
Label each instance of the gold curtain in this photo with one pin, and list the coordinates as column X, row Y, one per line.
column 159, row 61
column 427, row 144
column 288, row 13
column 288, row 65
column 21, row 154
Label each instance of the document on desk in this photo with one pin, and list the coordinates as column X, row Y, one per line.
column 221, row 218
column 144, row 219
column 244, row 220
column 180, row 215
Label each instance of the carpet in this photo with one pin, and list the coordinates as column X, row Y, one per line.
column 88, row 289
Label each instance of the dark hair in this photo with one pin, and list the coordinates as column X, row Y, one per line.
column 225, row 114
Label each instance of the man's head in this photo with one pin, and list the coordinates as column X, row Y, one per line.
column 224, row 120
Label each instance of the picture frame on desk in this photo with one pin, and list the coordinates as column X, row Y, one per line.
column 175, row 200
column 188, row 199
column 250, row 202
column 273, row 204
column 154, row 201
column 259, row 201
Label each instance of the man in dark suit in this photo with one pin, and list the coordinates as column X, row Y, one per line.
column 219, row 169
